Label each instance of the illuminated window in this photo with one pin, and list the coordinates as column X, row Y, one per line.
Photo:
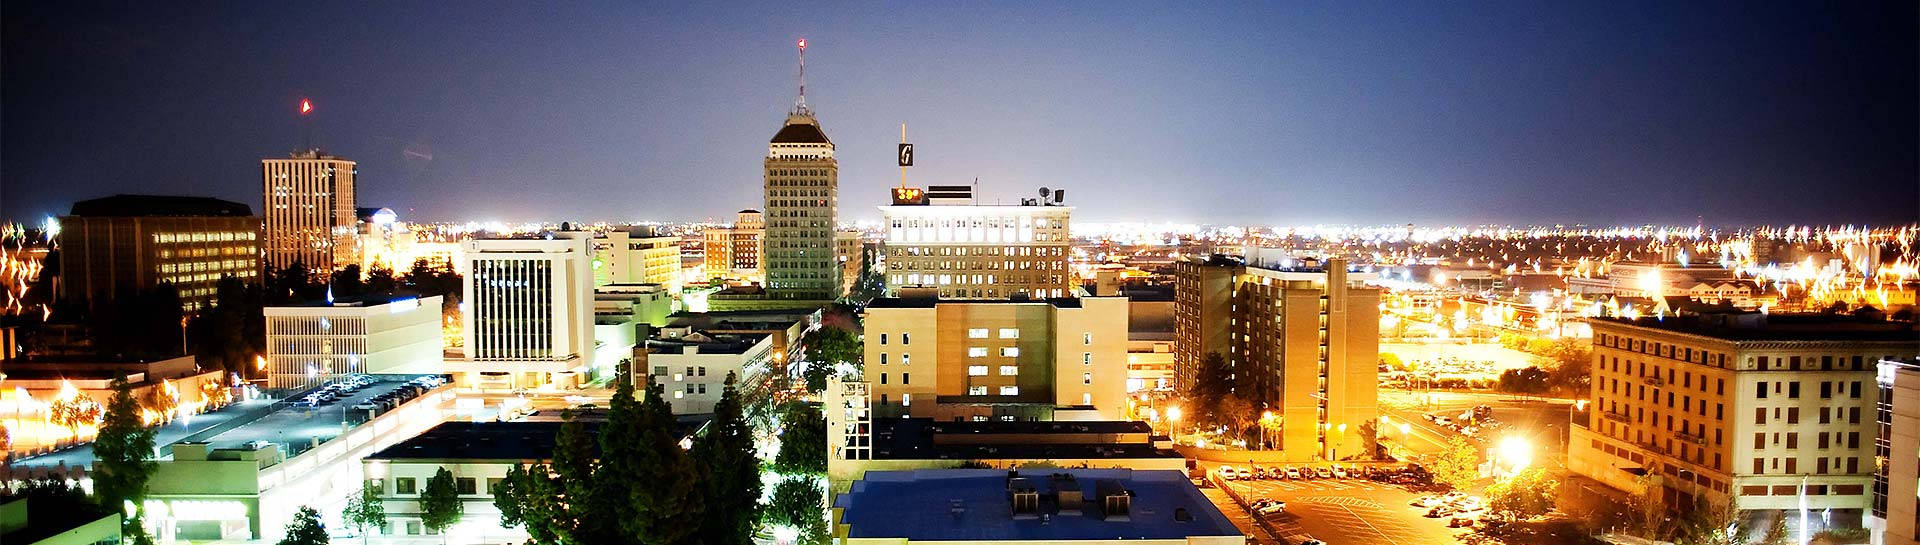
column 1086, row 398
column 1009, row 333
column 1010, row 351
column 977, row 352
column 976, row 390
column 1009, row 390
column 1085, row 338
column 977, row 333
column 1009, row 370
column 977, row 370
column 1086, row 358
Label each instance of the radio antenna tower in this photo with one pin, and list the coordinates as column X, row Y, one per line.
column 800, row 104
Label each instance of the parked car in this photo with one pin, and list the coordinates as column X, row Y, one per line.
column 1293, row 472
column 1323, row 473
column 1469, row 503
column 1439, row 511
column 1460, row 521
column 1229, row 473
column 1425, row 501
column 1339, row 472
column 1269, row 507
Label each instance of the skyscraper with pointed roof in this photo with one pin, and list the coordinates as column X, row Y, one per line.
column 802, row 186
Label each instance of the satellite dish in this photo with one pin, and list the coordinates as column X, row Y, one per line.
column 1044, row 192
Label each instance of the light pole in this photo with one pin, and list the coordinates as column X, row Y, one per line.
column 1266, row 419
column 1173, row 416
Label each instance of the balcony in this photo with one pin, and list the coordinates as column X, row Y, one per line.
column 1617, row 417
column 1653, row 380
column 1690, row 438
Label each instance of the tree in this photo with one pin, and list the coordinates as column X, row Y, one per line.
column 305, row 528
column 380, row 280
column 826, row 349
column 509, row 495
column 798, row 503
column 1777, row 533
column 124, row 456
column 440, row 505
column 1526, row 380
column 1523, row 496
column 1707, row 524
column 1648, row 514
column 1211, row 384
column 366, row 510
column 347, row 282
column 233, row 331
column 617, row 492
column 1237, row 414
column 58, row 502
column 803, row 441
column 731, row 472
column 1458, row 466
column 667, row 491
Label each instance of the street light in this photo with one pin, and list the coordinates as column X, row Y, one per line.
column 1516, row 451
column 1173, row 416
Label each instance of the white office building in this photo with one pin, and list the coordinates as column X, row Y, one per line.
column 309, row 345
column 692, row 366
column 528, row 320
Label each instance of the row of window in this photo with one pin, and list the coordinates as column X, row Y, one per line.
column 905, row 264
column 222, row 236
column 905, row 251
column 1826, row 440
column 1824, row 465
column 1827, row 389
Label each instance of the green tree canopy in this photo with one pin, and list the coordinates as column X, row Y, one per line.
column 799, row 503
column 305, row 528
column 803, row 441
column 440, row 505
column 731, row 472
column 826, row 348
column 365, row 510
column 1458, row 465
column 124, row 454
column 1527, row 494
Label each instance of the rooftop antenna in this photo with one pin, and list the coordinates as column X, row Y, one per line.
column 904, row 156
column 800, row 104
column 976, row 190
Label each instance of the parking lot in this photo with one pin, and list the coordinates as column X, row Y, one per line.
column 1346, row 511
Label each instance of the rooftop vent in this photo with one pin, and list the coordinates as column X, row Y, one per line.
column 1025, row 498
column 1113, row 498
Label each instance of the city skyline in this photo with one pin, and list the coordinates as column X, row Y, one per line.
column 1512, row 114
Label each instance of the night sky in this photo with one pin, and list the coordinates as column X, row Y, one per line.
column 1427, row 112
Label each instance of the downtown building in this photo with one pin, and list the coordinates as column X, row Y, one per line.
column 802, row 205
column 1775, row 413
column 1896, row 483
column 733, row 253
column 114, row 247
column 310, row 214
column 638, row 256
column 1303, row 341
column 315, row 343
column 997, row 359
column 939, row 243
column 529, row 318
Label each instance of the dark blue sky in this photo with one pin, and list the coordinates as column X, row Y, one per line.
column 1523, row 112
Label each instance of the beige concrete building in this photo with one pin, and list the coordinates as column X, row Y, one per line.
column 310, row 216
column 733, row 253
column 978, row 251
column 802, row 187
column 1896, row 484
column 315, row 343
column 529, row 312
column 114, row 246
column 848, row 250
column 1303, row 341
column 1740, row 407
column 1055, row 359
column 637, row 257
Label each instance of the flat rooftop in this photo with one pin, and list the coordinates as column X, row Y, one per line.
column 931, row 302
column 973, row 505
column 483, row 441
column 914, row 439
column 707, row 343
column 1778, row 327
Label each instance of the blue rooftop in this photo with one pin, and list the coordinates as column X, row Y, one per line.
column 975, row 505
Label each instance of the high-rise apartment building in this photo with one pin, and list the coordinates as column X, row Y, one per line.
column 1774, row 413
column 1303, row 341
column 803, row 203
column 640, row 256
column 529, row 311
column 848, row 251
column 310, row 216
column 113, row 246
column 999, row 359
column 976, row 251
column 733, row 253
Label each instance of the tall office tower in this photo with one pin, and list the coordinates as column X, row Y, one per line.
column 733, row 253
column 998, row 359
column 1774, row 413
column 963, row 250
column 847, row 251
column 529, row 311
column 115, row 245
column 803, row 202
column 1303, row 340
column 310, row 211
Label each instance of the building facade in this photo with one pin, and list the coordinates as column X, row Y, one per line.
column 529, row 311
column 849, row 252
column 1303, row 341
column 313, row 344
column 802, row 187
column 1055, row 359
column 310, row 215
column 1896, row 483
column 693, row 366
column 115, row 246
column 970, row 251
column 733, row 253
column 637, row 257
column 1774, row 413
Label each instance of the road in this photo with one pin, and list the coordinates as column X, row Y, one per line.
column 214, row 421
column 1542, row 421
column 1344, row 511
